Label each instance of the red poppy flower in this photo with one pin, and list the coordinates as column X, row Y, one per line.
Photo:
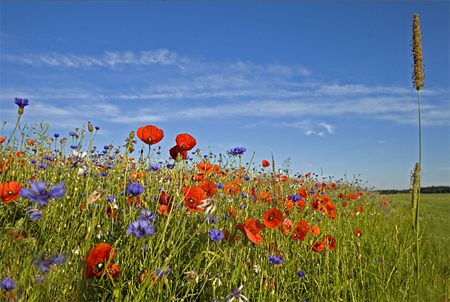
column 301, row 205
column 232, row 188
column 357, row 233
column 185, row 141
column 131, row 200
column 251, row 228
column 318, row 246
column 205, row 168
column 265, row 163
column 265, row 197
column 232, row 212
column 300, row 231
column 30, row 142
column 330, row 206
column 9, row 191
column 97, row 260
column 111, row 212
column 193, row 197
column 150, row 135
column 165, row 201
column 273, row 218
column 315, row 205
column 229, row 237
column 315, row 230
column 152, row 276
column 177, row 153
column 209, row 187
column 2, row 140
column 331, row 214
column 344, row 204
column 286, row 226
column 385, row 202
column 329, row 242
column 361, row 209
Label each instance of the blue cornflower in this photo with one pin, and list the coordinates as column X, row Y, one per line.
column 42, row 166
column 112, row 198
column 106, row 147
column 42, row 196
column 219, row 185
column 44, row 263
column 110, row 166
column 97, row 128
column 104, row 173
column 73, row 147
column 154, row 167
column 72, row 134
column 296, row 197
column 8, row 284
column 35, row 215
column 244, row 195
column 237, row 151
column 378, row 260
column 300, row 273
column 58, row 259
column 146, row 215
column 209, row 219
column 21, row 103
column 56, row 135
column 159, row 272
column 275, row 259
column 134, row 189
column 33, row 161
column 170, row 166
column 141, row 228
column 215, row 235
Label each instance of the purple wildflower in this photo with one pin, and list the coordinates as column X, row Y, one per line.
column 8, row 284
column 42, row 196
column 215, row 235
column 275, row 259
column 134, row 189
column 237, row 151
column 141, row 228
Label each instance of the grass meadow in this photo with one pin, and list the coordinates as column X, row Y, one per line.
column 80, row 223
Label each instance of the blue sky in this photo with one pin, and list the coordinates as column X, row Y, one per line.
column 326, row 84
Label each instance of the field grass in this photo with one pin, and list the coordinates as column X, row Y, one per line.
column 364, row 249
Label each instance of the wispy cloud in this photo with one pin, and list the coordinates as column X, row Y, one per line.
column 198, row 88
column 109, row 59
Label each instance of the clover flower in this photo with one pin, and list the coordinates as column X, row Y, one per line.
column 235, row 294
column 141, row 228
column 42, row 196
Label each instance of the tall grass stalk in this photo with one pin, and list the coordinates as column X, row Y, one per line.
column 417, row 77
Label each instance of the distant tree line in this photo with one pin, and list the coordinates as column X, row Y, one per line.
column 425, row 190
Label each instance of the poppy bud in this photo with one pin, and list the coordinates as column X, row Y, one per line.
column 131, row 134
column 90, row 128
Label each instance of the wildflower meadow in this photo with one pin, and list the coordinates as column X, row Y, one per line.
column 81, row 222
